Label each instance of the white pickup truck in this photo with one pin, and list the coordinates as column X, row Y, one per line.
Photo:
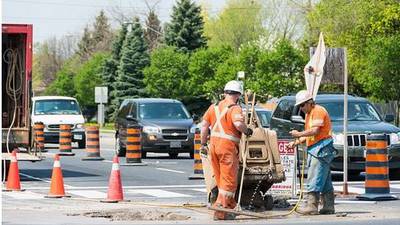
column 56, row 110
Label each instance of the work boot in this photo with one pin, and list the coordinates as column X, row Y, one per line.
column 312, row 204
column 328, row 203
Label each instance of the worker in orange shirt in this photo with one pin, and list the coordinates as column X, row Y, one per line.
column 318, row 138
column 226, row 122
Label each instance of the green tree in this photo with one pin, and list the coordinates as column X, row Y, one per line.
column 203, row 66
column 86, row 45
column 186, row 28
column 102, row 34
column 153, row 30
column 134, row 58
column 239, row 23
column 167, row 75
column 64, row 85
column 110, row 66
column 87, row 78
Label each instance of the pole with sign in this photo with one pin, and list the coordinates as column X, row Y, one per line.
column 100, row 97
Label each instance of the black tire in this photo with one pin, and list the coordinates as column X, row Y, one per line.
column 268, row 202
column 82, row 144
column 120, row 151
column 173, row 155
column 144, row 155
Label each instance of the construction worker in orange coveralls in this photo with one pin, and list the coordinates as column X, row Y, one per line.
column 226, row 122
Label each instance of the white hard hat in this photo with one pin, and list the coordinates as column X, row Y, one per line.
column 234, row 85
column 302, row 96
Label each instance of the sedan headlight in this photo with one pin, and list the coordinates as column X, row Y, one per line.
column 79, row 126
column 338, row 139
column 151, row 130
column 394, row 138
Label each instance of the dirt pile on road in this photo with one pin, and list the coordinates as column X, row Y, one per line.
column 128, row 214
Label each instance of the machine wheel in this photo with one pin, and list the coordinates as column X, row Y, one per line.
column 173, row 155
column 82, row 144
column 268, row 202
column 121, row 151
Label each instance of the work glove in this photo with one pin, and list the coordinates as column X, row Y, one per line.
column 204, row 150
column 248, row 132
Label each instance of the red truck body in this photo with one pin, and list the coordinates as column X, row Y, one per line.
column 16, row 85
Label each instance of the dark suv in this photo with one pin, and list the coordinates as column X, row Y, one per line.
column 363, row 119
column 166, row 126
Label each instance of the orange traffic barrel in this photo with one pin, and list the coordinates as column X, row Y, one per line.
column 65, row 140
column 197, row 166
column 377, row 169
column 92, row 143
column 133, row 146
column 38, row 127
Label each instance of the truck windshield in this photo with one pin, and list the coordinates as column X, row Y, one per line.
column 357, row 111
column 163, row 111
column 57, row 107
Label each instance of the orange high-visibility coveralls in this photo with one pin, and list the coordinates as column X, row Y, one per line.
column 224, row 143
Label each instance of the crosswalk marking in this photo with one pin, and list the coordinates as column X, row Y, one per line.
column 158, row 193
column 23, row 195
column 200, row 190
column 89, row 193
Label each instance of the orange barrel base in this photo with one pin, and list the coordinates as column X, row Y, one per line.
column 197, row 166
column 133, row 147
column 65, row 140
column 92, row 144
column 377, row 187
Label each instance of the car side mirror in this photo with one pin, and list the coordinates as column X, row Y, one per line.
column 297, row 119
column 389, row 118
column 195, row 117
column 131, row 118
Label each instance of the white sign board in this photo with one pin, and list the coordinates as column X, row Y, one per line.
column 288, row 160
column 100, row 94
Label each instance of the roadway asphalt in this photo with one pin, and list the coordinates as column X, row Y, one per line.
column 156, row 193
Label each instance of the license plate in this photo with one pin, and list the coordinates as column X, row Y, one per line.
column 77, row 136
column 175, row 144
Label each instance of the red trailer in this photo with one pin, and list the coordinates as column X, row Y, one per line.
column 16, row 89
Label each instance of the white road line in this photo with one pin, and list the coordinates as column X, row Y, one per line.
column 44, row 180
column 200, row 190
column 36, row 178
column 174, row 171
column 23, row 195
column 88, row 193
column 125, row 187
column 159, row 193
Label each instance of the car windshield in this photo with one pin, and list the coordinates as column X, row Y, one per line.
column 163, row 111
column 265, row 117
column 57, row 107
column 357, row 111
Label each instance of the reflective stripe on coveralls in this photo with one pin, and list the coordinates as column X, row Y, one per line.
column 218, row 125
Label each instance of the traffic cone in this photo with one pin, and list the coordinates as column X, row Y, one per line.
column 115, row 193
column 13, row 181
column 57, row 180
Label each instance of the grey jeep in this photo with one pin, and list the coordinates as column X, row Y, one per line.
column 363, row 119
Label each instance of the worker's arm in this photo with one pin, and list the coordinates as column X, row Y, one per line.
column 204, row 132
column 301, row 135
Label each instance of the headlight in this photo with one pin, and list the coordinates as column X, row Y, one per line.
column 193, row 129
column 150, row 130
column 79, row 126
column 338, row 139
column 394, row 138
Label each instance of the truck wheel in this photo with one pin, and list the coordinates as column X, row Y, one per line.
column 173, row 155
column 192, row 155
column 82, row 144
column 144, row 155
column 121, row 151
